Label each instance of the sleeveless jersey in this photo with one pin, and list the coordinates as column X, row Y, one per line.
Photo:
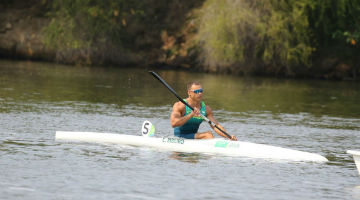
column 192, row 125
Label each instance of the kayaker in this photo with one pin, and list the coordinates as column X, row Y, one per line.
column 186, row 122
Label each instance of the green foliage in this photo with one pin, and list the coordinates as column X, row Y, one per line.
column 79, row 24
column 221, row 34
column 60, row 35
column 113, row 31
column 335, row 21
column 280, row 37
column 285, row 36
column 274, row 32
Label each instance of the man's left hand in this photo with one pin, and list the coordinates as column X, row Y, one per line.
column 233, row 137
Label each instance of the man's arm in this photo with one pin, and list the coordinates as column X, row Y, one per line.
column 177, row 118
column 211, row 118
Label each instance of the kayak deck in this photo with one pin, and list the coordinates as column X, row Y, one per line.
column 211, row 146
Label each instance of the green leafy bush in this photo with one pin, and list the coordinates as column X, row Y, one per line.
column 246, row 34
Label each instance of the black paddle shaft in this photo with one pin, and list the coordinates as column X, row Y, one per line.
column 184, row 102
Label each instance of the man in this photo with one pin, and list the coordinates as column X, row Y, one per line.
column 186, row 122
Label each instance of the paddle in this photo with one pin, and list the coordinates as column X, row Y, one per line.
column 184, row 102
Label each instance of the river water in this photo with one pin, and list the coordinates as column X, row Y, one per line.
column 37, row 99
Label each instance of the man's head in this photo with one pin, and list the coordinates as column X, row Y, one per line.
column 195, row 90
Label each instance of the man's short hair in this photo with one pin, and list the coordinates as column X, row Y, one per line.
column 191, row 84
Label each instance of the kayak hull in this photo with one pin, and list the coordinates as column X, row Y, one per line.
column 210, row 146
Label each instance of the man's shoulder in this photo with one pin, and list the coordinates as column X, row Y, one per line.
column 179, row 105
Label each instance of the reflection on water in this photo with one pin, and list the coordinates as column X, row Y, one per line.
column 189, row 157
column 28, row 82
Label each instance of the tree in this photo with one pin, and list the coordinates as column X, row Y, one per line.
column 248, row 34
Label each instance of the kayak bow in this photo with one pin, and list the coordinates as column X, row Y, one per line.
column 356, row 156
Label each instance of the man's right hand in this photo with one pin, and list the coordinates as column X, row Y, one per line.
column 195, row 112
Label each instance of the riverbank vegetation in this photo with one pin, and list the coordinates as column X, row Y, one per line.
column 283, row 38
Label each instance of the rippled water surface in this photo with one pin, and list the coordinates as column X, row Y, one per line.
column 37, row 99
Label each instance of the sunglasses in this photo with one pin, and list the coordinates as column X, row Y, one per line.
column 198, row 91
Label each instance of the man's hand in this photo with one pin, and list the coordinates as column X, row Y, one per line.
column 233, row 137
column 195, row 112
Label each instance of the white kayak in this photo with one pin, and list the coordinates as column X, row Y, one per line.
column 210, row 146
column 356, row 156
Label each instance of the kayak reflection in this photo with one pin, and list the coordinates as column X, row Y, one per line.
column 189, row 157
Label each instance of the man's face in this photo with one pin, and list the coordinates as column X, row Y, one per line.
column 195, row 92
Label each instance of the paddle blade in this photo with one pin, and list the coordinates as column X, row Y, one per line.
column 147, row 129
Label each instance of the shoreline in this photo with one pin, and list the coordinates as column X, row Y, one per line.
column 22, row 38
